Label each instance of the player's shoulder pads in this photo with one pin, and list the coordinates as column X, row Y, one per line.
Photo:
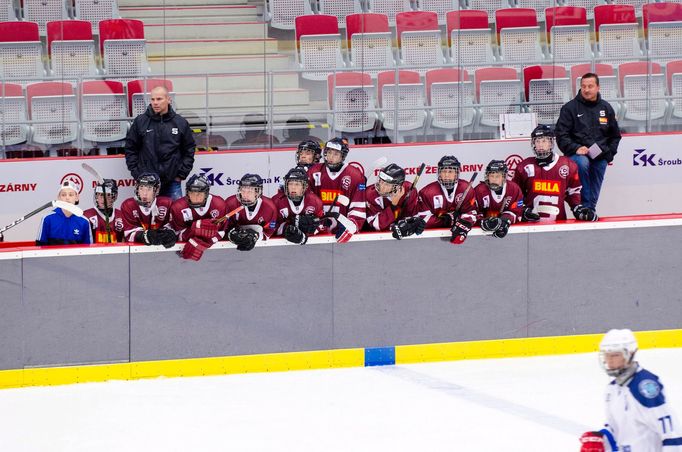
column 646, row 388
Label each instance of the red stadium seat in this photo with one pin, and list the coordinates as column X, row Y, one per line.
column 568, row 33
column 370, row 43
column 643, row 86
column 410, row 97
column 498, row 91
column 518, row 35
column 54, row 101
column 663, row 28
column 123, row 47
column 548, row 85
column 617, row 32
column 71, row 48
column 389, row 7
column 419, row 39
column 440, row 7
column 350, row 95
column 20, row 43
column 13, row 127
column 450, row 94
column 319, row 45
column 103, row 111
column 340, row 8
column 674, row 72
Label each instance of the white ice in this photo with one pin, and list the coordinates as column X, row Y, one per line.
column 520, row 404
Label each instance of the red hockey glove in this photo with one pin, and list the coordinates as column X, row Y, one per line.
column 592, row 442
column 194, row 249
column 204, row 229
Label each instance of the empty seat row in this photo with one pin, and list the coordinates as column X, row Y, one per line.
column 71, row 50
column 43, row 11
column 282, row 13
column 98, row 110
column 516, row 39
column 455, row 98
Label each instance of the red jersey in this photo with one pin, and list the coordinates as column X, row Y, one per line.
column 381, row 213
column 263, row 214
column 98, row 224
column 287, row 210
column 349, row 181
column 508, row 204
column 547, row 188
column 137, row 218
column 434, row 200
column 182, row 215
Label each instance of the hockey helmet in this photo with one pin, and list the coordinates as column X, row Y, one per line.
column 310, row 146
column 496, row 167
column 250, row 189
column 390, row 179
column 542, row 141
column 110, row 187
column 336, row 144
column 197, row 184
column 297, row 174
column 617, row 341
column 150, row 181
column 448, row 162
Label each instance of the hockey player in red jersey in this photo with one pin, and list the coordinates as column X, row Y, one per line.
column 439, row 199
column 548, row 181
column 308, row 154
column 258, row 218
column 146, row 216
column 392, row 204
column 298, row 210
column 334, row 177
column 104, row 210
column 499, row 202
column 192, row 217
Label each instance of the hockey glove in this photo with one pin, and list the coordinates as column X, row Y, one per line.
column 204, row 229
column 501, row 232
column 295, row 235
column 307, row 223
column 583, row 213
column 194, row 249
column 407, row 227
column 460, row 231
column 529, row 215
column 148, row 237
column 491, row 224
column 244, row 238
column 592, row 442
column 166, row 237
column 446, row 219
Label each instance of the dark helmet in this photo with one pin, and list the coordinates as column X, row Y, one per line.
column 496, row 166
column 338, row 144
column 197, row 184
column 391, row 174
column 149, row 180
column 110, row 187
column 250, row 180
column 296, row 174
column 449, row 162
column 542, row 131
column 309, row 145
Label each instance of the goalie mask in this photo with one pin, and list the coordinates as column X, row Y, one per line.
column 110, row 187
column 496, row 175
column 448, row 171
column 542, row 142
column 197, row 190
column 615, row 343
column 308, row 152
column 147, row 187
column 335, row 152
column 295, row 184
column 390, row 179
column 250, row 189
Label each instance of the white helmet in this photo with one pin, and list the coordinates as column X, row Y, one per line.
column 618, row 341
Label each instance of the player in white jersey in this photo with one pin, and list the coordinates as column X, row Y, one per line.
column 638, row 417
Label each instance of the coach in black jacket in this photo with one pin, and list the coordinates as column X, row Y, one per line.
column 160, row 141
column 584, row 121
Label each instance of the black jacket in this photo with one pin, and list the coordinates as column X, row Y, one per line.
column 583, row 123
column 160, row 144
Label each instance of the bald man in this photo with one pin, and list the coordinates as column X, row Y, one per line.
column 160, row 141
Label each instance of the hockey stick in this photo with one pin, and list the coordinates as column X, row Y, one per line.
column 100, row 181
column 228, row 215
column 414, row 185
column 75, row 210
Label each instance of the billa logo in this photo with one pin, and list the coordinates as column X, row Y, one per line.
column 75, row 179
column 546, row 186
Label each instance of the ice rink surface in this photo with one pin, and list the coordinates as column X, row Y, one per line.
column 515, row 404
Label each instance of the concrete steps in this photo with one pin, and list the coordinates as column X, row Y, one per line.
column 226, row 82
column 219, row 64
column 207, row 47
column 242, row 98
column 206, row 30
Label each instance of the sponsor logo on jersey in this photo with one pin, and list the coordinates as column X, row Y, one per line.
column 174, row 131
column 546, row 186
column 328, row 196
column 512, row 162
column 603, row 121
column 649, row 388
column 101, row 237
column 187, row 214
column 361, row 187
column 273, row 223
column 345, row 182
column 75, row 178
column 563, row 171
column 10, row 187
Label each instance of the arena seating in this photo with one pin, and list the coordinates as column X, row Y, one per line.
column 123, row 48
column 71, row 48
column 662, row 24
column 419, row 39
column 518, row 35
column 21, row 54
column 568, row 33
column 450, row 94
column 340, row 9
column 54, row 111
column 319, row 46
column 389, row 7
column 350, row 95
column 103, row 104
column 13, row 128
column 470, row 38
column 498, row 91
column 369, row 40
column 643, row 86
column 617, row 33
column 406, row 94
column 549, row 86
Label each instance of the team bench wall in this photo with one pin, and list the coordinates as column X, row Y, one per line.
column 135, row 305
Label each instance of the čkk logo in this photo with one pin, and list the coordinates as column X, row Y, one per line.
column 645, row 159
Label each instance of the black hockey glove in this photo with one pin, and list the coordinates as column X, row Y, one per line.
column 447, row 219
column 460, row 231
column 244, row 238
column 295, row 235
column 407, row 227
column 148, row 237
column 583, row 213
column 307, row 223
column 330, row 219
column 491, row 224
column 166, row 237
column 501, row 232
column 529, row 215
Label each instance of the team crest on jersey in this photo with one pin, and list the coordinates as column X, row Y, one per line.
column 345, row 182
column 649, row 388
column 162, row 212
column 458, row 198
column 563, row 171
column 261, row 220
column 118, row 224
column 214, row 213
column 136, row 214
column 310, row 209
